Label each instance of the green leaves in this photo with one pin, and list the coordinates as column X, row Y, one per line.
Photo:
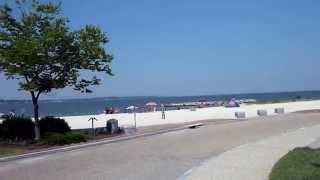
column 38, row 48
column 49, row 8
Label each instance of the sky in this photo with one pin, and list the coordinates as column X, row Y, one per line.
column 178, row 48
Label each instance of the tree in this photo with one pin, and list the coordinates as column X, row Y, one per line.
column 39, row 50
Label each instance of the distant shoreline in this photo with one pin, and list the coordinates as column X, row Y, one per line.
column 160, row 96
column 282, row 101
column 75, row 107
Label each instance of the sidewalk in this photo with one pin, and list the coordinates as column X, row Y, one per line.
column 254, row 160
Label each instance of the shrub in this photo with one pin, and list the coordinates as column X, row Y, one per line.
column 53, row 124
column 62, row 139
column 1, row 131
column 17, row 128
column 75, row 138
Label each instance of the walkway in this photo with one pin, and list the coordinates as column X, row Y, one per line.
column 254, row 160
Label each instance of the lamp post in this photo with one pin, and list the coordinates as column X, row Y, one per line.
column 135, row 118
column 132, row 109
column 92, row 119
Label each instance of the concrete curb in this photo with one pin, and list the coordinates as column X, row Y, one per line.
column 91, row 144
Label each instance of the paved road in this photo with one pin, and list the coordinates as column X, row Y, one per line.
column 158, row 157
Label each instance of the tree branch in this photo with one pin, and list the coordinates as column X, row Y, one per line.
column 33, row 96
column 38, row 94
column 27, row 80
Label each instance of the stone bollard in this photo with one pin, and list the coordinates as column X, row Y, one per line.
column 240, row 115
column 262, row 112
column 279, row 110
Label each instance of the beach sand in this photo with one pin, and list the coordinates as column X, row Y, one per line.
column 185, row 115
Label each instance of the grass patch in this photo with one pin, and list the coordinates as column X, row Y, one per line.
column 63, row 139
column 6, row 151
column 50, row 140
column 298, row 164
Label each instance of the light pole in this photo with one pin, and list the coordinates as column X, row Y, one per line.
column 135, row 118
column 132, row 109
column 92, row 119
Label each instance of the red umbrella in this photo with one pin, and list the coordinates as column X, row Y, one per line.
column 151, row 104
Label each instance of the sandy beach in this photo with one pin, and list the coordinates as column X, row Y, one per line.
column 185, row 115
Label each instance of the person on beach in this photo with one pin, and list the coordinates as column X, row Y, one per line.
column 163, row 111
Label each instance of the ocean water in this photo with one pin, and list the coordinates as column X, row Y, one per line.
column 68, row 107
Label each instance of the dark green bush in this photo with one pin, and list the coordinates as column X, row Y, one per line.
column 62, row 139
column 53, row 124
column 75, row 137
column 17, row 128
column 1, row 130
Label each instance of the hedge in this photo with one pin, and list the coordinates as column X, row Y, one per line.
column 53, row 124
column 17, row 129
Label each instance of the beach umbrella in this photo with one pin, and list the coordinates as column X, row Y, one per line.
column 232, row 103
column 151, row 104
column 131, row 108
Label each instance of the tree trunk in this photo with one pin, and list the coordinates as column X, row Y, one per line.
column 36, row 116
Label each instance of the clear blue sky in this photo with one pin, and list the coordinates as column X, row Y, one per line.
column 201, row 47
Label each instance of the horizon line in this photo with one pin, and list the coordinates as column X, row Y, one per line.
column 162, row 96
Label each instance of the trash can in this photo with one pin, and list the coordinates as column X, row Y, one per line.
column 112, row 126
